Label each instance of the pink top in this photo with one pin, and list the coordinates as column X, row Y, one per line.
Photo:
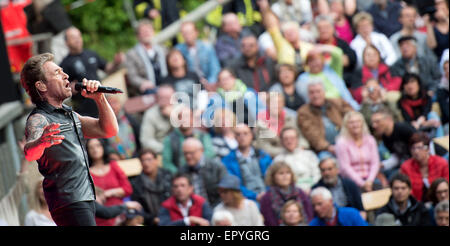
column 358, row 163
column 344, row 32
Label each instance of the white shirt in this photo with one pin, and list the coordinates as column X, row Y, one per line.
column 248, row 215
column 34, row 218
column 185, row 211
column 380, row 41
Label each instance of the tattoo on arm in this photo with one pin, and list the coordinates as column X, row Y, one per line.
column 34, row 127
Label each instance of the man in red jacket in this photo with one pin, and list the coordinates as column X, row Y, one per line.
column 423, row 168
column 184, row 208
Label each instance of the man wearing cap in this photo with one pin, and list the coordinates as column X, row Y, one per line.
column 205, row 173
column 184, row 208
column 411, row 62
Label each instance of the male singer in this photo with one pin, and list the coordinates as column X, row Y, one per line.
column 55, row 138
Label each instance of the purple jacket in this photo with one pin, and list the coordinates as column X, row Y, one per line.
column 270, row 216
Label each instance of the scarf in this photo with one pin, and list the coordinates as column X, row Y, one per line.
column 236, row 92
column 409, row 104
column 140, row 50
column 279, row 197
column 153, row 190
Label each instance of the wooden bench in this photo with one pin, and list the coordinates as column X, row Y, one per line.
column 375, row 199
column 132, row 167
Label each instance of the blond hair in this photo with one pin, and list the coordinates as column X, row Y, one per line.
column 361, row 17
column 344, row 131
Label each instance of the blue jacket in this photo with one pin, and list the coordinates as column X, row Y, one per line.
column 231, row 163
column 209, row 64
column 346, row 217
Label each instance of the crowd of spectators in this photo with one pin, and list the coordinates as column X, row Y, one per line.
column 304, row 105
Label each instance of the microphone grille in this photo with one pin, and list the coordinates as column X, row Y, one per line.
column 78, row 86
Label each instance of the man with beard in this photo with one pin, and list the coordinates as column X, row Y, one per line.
column 345, row 192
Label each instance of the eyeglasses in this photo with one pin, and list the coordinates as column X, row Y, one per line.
column 423, row 147
column 190, row 152
column 441, row 191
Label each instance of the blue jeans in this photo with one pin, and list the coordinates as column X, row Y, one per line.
column 440, row 130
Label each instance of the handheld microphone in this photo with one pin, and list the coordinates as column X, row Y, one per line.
column 101, row 89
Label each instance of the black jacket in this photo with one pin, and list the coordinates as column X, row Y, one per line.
column 348, row 52
column 351, row 190
column 349, row 70
column 416, row 215
column 151, row 196
column 211, row 173
column 428, row 71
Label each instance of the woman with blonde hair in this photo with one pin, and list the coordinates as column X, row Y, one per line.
column 357, row 151
column 39, row 215
column 281, row 180
column 293, row 214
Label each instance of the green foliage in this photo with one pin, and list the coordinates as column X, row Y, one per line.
column 105, row 26
column 189, row 5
